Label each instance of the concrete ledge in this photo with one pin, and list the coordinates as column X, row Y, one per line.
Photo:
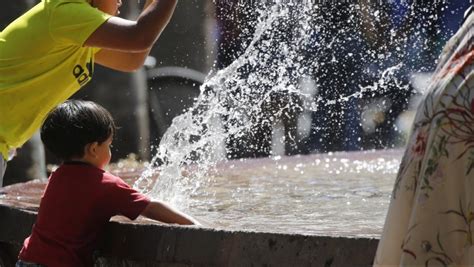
column 150, row 244
column 15, row 224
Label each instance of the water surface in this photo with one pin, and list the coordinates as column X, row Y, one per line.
column 339, row 194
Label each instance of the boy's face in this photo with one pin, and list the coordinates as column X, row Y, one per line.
column 110, row 7
column 102, row 153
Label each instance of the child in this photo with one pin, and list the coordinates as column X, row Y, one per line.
column 81, row 197
column 48, row 53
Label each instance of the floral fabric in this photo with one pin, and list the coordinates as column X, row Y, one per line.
column 431, row 214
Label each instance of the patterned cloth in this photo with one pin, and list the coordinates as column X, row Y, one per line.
column 429, row 221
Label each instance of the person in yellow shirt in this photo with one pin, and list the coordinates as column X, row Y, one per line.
column 48, row 54
column 429, row 219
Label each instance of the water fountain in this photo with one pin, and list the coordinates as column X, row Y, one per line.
column 319, row 209
column 311, row 226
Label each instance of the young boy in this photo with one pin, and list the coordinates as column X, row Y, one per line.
column 48, row 53
column 81, row 197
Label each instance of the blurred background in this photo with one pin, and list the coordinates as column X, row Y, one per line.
column 383, row 53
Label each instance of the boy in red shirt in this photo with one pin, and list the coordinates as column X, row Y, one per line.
column 81, row 197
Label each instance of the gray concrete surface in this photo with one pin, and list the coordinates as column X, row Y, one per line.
column 149, row 244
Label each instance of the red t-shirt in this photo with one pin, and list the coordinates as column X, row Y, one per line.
column 78, row 202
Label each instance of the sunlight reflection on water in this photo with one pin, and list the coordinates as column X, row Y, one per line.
column 337, row 194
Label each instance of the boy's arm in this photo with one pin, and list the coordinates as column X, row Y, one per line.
column 162, row 212
column 121, row 61
column 125, row 43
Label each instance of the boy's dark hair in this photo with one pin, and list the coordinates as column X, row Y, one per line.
column 74, row 124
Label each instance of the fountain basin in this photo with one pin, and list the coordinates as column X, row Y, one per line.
column 319, row 242
column 152, row 244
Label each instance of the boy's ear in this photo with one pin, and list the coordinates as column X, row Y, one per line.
column 91, row 149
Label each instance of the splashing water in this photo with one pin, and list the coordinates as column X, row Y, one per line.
column 292, row 41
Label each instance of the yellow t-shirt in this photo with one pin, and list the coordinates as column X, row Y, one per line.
column 42, row 63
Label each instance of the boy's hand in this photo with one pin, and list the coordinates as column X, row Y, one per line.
column 162, row 212
column 196, row 222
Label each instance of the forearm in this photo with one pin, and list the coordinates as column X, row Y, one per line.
column 154, row 19
column 162, row 212
column 147, row 4
column 134, row 36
